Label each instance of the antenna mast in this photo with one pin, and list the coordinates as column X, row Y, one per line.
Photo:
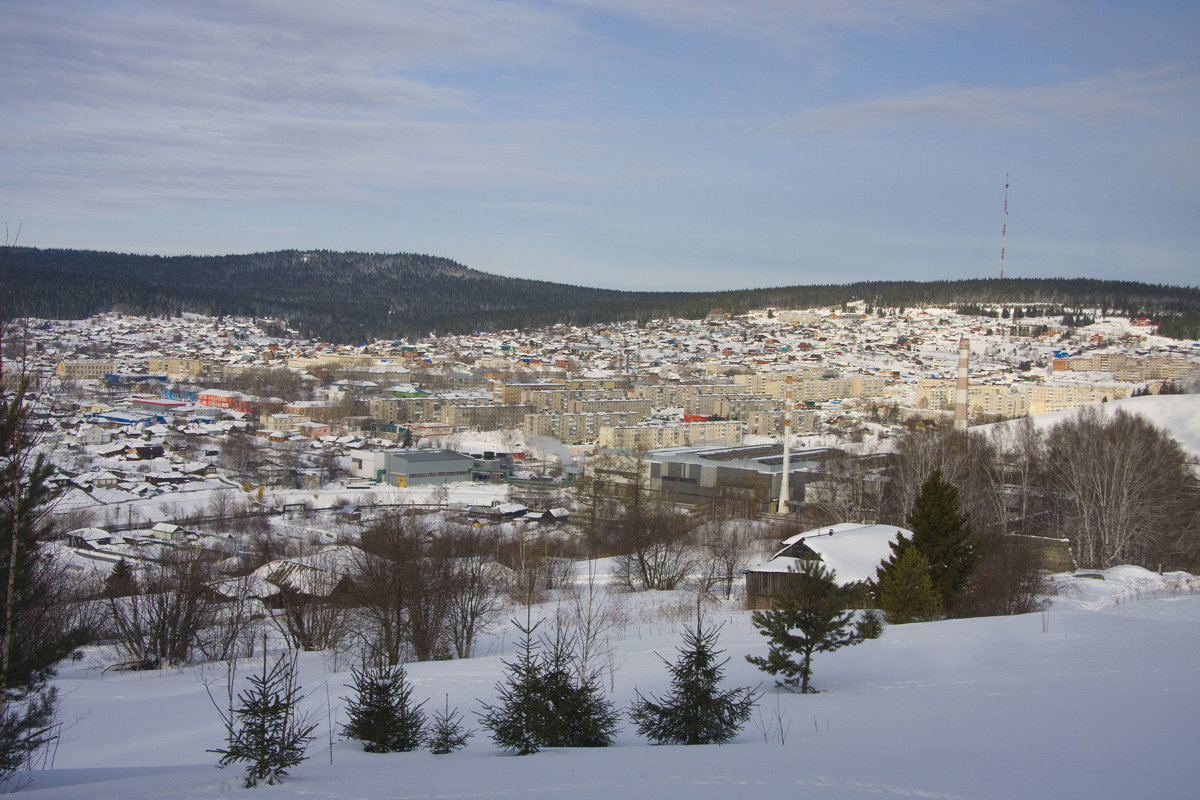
column 1004, row 227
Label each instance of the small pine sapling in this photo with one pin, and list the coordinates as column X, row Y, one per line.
column 120, row 581
column 382, row 714
column 696, row 711
column 583, row 716
column 446, row 733
column 870, row 624
column 808, row 616
column 267, row 730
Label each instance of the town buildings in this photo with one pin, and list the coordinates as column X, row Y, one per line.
column 855, row 374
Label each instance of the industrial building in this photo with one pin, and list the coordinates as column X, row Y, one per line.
column 755, row 473
column 426, row 467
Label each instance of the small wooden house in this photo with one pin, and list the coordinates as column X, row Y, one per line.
column 852, row 550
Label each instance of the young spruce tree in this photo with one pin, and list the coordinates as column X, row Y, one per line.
column 446, row 732
column 906, row 590
column 697, row 710
column 545, row 702
column 517, row 719
column 267, row 730
column 809, row 616
column 382, row 714
column 582, row 714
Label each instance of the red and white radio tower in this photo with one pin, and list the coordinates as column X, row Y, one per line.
column 1004, row 227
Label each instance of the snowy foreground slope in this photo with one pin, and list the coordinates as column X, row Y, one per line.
column 1099, row 697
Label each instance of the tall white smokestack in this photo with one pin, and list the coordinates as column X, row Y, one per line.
column 784, row 489
column 960, row 395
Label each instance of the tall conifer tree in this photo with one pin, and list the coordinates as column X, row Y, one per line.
column 35, row 628
column 942, row 533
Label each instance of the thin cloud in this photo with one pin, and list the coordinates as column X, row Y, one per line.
column 802, row 22
column 351, row 54
column 1162, row 94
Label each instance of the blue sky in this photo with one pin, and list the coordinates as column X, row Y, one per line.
column 637, row 144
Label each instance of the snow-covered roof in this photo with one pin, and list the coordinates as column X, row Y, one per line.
column 853, row 550
column 317, row 574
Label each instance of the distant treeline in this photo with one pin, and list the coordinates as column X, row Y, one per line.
column 351, row 297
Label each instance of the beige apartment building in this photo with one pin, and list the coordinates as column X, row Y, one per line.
column 182, row 369
column 1045, row 399
column 999, row 403
column 576, row 429
column 936, row 394
column 485, row 417
column 282, row 421
column 822, row 389
column 508, row 393
column 85, row 369
column 622, row 404
column 560, row 400
column 1130, row 368
column 758, row 382
column 770, row 423
column 735, row 406
column 684, row 434
column 406, row 409
column 681, row 395
column 810, row 385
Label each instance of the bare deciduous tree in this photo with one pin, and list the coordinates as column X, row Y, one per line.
column 847, row 490
column 161, row 624
column 402, row 583
column 239, row 451
column 656, row 547
column 1122, row 485
column 476, row 601
column 724, row 552
column 1022, row 451
column 381, row 587
column 309, row 621
column 968, row 461
column 237, row 621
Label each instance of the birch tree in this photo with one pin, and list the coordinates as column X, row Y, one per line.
column 1123, row 487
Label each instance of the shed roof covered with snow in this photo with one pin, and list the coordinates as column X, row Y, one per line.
column 853, row 550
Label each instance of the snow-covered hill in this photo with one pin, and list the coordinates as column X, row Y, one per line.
column 1095, row 698
column 1177, row 414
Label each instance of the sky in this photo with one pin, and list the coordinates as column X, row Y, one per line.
column 626, row 144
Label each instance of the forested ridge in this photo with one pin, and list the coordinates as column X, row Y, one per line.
column 348, row 297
